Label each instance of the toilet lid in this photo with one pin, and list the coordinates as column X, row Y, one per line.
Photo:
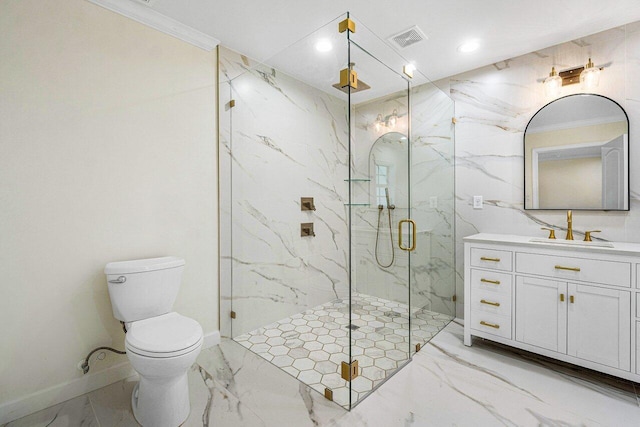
column 168, row 333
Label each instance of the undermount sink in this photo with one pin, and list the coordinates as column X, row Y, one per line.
column 596, row 244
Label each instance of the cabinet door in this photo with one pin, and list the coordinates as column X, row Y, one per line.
column 600, row 325
column 541, row 315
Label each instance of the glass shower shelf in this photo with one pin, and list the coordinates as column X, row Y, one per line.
column 357, row 204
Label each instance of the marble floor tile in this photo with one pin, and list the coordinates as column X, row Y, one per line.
column 74, row 412
column 446, row 384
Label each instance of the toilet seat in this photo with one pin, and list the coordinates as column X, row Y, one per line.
column 167, row 335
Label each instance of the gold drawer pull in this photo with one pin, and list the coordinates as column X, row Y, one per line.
column 491, row 325
column 560, row 267
column 561, row 297
column 495, row 304
column 571, row 299
column 493, row 282
column 484, row 258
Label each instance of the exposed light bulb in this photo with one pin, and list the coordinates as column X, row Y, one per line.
column 324, row 45
column 552, row 84
column 590, row 76
column 378, row 123
column 393, row 118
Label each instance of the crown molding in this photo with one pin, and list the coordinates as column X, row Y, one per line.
column 146, row 15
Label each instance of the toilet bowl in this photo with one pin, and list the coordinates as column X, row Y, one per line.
column 161, row 344
column 161, row 350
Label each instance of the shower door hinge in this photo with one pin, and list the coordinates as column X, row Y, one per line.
column 231, row 104
column 348, row 77
column 233, row 314
column 347, row 24
column 328, row 394
column 418, row 347
column 454, row 298
column 349, row 370
column 453, row 120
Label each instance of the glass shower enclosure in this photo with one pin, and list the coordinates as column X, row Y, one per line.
column 336, row 209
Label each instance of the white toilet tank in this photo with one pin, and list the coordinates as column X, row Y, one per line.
column 143, row 288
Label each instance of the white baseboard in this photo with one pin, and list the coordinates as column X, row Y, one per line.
column 42, row 399
column 59, row 393
column 211, row 339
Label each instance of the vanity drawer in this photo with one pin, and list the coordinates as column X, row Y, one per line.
column 491, row 302
column 491, row 258
column 491, row 323
column 491, row 281
column 570, row 268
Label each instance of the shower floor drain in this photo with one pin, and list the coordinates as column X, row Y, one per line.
column 352, row 327
column 391, row 314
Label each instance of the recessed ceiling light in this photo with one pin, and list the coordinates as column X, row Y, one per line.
column 324, row 45
column 469, row 46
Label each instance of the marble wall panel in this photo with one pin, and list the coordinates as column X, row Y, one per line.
column 493, row 107
column 431, row 271
column 281, row 141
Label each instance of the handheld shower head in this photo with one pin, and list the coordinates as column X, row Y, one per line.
column 386, row 193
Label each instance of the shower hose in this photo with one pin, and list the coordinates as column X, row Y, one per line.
column 393, row 253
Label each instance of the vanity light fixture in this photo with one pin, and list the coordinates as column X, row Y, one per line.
column 588, row 77
column 552, row 84
column 388, row 121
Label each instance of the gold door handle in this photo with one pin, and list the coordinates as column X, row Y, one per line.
column 491, row 325
column 484, row 258
column 493, row 282
column 560, row 267
column 571, row 299
column 413, row 235
column 561, row 297
column 495, row 304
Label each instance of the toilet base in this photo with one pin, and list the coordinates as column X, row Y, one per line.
column 158, row 402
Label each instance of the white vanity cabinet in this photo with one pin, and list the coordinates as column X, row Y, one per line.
column 567, row 301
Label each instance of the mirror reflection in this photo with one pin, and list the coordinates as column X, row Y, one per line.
column 576, row 155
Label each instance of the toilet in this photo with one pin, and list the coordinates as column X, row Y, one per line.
column 161, row 344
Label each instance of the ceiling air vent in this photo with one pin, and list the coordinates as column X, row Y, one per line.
column 407, row 37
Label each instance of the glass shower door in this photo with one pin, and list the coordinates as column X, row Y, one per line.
column 379, row 204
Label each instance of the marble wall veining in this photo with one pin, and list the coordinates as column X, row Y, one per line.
column 282, row 140
column 431, row 272
column 493, row 107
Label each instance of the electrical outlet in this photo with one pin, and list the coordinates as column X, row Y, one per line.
column 477, row 202
column 433, row 201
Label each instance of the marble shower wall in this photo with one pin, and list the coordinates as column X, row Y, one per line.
column 284, row 140
column 432, row 270
column 493, row 107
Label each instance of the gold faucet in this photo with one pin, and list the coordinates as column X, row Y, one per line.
column 569, row 226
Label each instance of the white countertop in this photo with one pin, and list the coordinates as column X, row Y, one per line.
column 621, row 248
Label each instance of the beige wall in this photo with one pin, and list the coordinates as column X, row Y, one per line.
column 107, row 152
column 571, row 183
column 604, row 132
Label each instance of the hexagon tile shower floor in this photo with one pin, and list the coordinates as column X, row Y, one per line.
column 311, row 345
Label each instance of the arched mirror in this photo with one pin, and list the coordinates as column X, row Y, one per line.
column 576, row 155
column 388, row 169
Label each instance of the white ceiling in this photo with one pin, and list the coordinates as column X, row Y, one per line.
column 505, row 28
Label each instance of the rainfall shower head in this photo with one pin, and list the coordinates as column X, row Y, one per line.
column 345, row 88
column 361, row 86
